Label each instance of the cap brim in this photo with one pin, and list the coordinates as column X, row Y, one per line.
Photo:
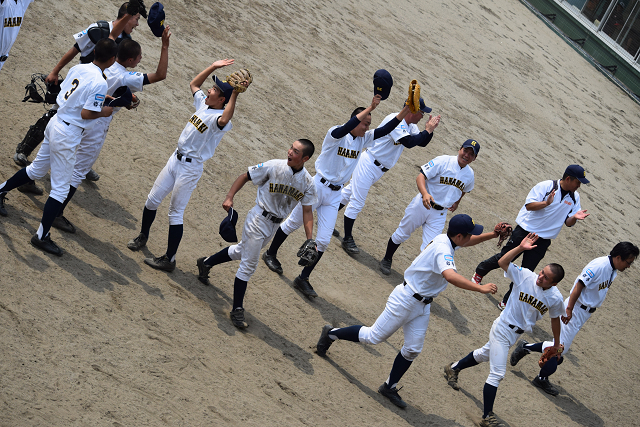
column 477, row 230
column 426, row 110
column 583, row 180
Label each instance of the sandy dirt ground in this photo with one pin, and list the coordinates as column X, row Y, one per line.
column 97, row 338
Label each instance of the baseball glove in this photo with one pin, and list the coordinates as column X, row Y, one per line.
column 236, row 79
column 550, row 352
column 136, row 6
column 135, row 101
column 308, row 253
column 503, row 229
column 413, row 100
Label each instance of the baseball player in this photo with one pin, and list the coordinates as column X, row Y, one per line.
column 281, row 185
column 537, row 295
column 587, row 294
column 129, row 55
column 341, row 148
column 377, row 160
column 442, row 183
column 183, row 170
column 11, row 12
column 80, row 102
column 409, row 306
column 85, row 41
column 549, row 206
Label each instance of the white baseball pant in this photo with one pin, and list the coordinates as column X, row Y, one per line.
column 179, row 178
column 364, row 176
column 58, row 154
column 404, row 310
column 89, row 149
column 416, row 215
column 326, row 210
column 501, row 338
column 569, row 331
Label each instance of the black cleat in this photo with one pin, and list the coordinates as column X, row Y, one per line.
column 161, row 263
column 46, row 245
column 32, row 188
column 203, row 271
column 237, row 318
column 385, row 266
column 451, row 375
column 305, row 287
column 3, row 211
column 272, row 262
column 349, row 245
column 138, row 243
column 324, row 342
column 545, row 386
column 62, row 223
column 392, row 395
column 519, row 352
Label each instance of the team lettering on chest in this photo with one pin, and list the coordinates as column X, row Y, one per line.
column 13, row 22
column 198, row 123
column 452, row 181
column 287, row 190
column 604, row 285
column 533, row 302
column 349, row 154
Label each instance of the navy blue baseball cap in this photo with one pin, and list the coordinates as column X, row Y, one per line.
column 225, row 87
column 156, row 19
column 463, row 224
column 473, row 144
column 121, row 97
column 382, row 83
column 423, row 107
column 576, row 171
column 228, row 226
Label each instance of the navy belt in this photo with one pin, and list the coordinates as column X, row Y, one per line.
column 436, row 206
column 426, row 300
column 179, row 155
column 271, row 217
column 585, row 308
column 382, row 168
column 517, row 329
column 3, row 58
column 330, row 185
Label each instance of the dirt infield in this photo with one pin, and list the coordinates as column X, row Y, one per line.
column 97, row 338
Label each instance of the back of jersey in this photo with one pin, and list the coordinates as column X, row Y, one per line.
column 84, row 88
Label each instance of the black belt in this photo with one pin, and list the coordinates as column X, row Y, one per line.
column 517, row 329
column 271, row 217
column 330, row 185
column 3, row 58
column 426, row 300
column 436, row 206
column 377, row 163
column 179, row 155
column 66, row 123
column 585, row 308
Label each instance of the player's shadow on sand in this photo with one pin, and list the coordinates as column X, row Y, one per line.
column 412, row 415
column 454, row 316
column 568, row 404
column 371, row 262
column 218, row 300
column 480, row 405
column 88, row 197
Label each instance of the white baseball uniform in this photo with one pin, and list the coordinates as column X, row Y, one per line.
column 94, row 137
column 279, row 191
column 84, row 88
column 334, row 167
column 11, row 12
column 381, row 157
column 84, row 43
column 423, row 279
column 597, row 278
column 528, row 303
column 446, row 182
column 197, row 144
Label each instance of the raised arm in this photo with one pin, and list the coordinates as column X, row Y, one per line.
column 66, row 58
column 163, row 63
column 200, row 78
column 526, row 244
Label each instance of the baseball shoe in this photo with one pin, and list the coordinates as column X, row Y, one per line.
column 46, row 245
column 491, row 421
column 385, row 266
column 545, row 386
column 237, row 318
column 324, row 342
column 161, row 263
column 519, row 352
column 203, row 271
column 3, row 211
column 451, row 375
column 476, row 278
column 31, row 187
column 305, row 287
column 392, row 395
column 92, row 175
column 272, row 262
column 335, row 233
column 502, row 305
column 62, row 223
column 349, row 245
column 21, row 160
column 138, row 243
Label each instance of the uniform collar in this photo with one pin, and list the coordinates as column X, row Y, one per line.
column 611, row 261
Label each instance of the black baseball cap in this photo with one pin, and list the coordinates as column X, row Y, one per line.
column 473, row 144
column 382, row 83
column 576, row 171
column 156, row 19
column 463, row 224
column 228, row 226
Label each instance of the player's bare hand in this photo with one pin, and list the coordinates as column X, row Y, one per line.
column 375, row 101
column 489, row 288
column 581, row 214
column 427, row 200
column 227, row 204
column 528, row 242
column 565, row 319
column 432, row 123
column 52, row 78
column 165, row 36
column 223, row 63
column 550, row 198
column 454, row 206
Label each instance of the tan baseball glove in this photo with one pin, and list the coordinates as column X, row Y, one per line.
column 241, row 76
column 549, row 353
column 413, row 100
column 503, row 229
